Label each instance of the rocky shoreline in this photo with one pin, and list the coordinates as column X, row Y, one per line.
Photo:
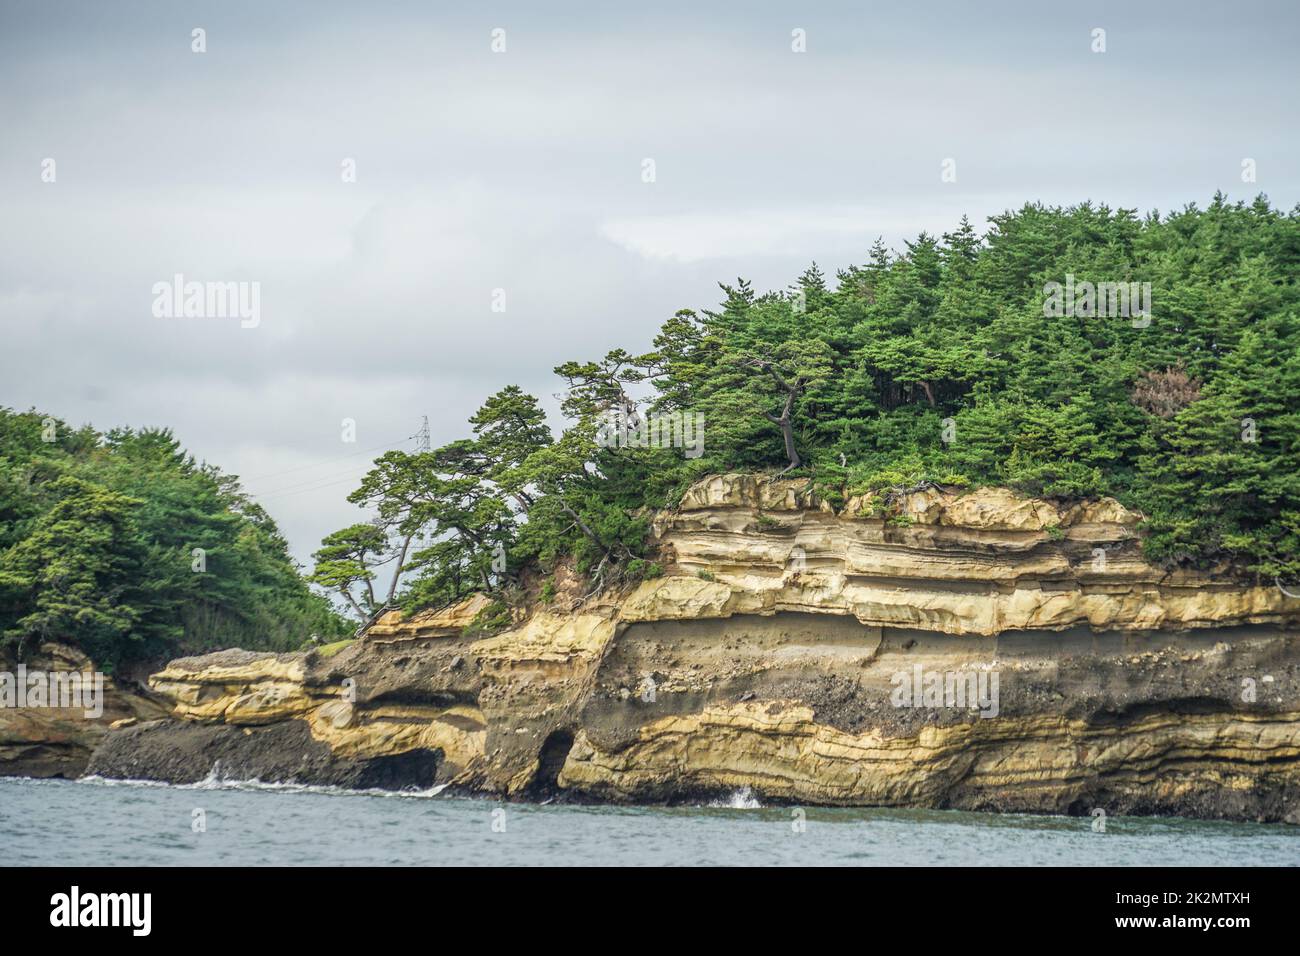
column 813, row 654
column 50, row 741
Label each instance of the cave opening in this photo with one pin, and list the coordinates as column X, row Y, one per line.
column 550, row 761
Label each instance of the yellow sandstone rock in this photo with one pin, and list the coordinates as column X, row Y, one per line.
column 778, row 749
column 764, row 656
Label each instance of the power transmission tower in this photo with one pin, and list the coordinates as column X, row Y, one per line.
column 422, row 437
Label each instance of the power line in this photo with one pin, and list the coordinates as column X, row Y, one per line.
column 283, row 493
column 325, row 461
column 350, row 475
column 421, row 438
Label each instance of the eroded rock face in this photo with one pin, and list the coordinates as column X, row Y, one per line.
column 481, row 708
column 799, row 712
column 187, row 751
column 58, row 741
column 979, row 563
column 774, row 654
column 235, row 687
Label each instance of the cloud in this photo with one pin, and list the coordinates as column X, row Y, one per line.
column 521, row 172
column 690, row 237
column 784, row 232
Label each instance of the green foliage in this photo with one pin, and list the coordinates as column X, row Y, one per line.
column 910, row 471
column 1222, row 477
column 938, row 364
column 641, row 570
column 98, row 534
column 494, row 617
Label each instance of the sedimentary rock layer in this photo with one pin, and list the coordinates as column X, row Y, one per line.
column 779, row 651
column 47, row 741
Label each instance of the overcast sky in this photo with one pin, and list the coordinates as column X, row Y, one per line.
column 523, row 170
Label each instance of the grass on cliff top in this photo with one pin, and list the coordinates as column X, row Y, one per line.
column 329, row 650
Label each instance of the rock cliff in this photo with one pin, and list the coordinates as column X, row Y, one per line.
column 933, row 649
column 50, row 741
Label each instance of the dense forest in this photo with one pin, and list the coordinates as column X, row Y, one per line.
column 952, row 361
column 123, row 545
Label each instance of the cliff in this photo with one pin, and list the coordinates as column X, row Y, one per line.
column 939, row 649
column 49, row 741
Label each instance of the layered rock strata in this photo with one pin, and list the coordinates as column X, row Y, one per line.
column 57, row 741
column 938, row 649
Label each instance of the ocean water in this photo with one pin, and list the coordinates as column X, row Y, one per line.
column 98, row 822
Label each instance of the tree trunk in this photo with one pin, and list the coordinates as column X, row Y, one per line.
column 787, row 432
column 397, row 572
column 353, row 601
column 582, row 526
column 786, row 424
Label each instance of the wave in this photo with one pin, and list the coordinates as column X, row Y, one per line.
column 215, row 780
column 742, row 799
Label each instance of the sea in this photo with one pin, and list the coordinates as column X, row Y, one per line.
column 95, row 822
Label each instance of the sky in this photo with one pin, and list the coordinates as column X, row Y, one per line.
column 503, row 217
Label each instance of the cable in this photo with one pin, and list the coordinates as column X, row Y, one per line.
column 325, row 461
column 282, row 493
column 349, row 475
column 313, row 484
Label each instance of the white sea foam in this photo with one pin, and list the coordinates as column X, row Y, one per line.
column 215, row 781
column 742, row 799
